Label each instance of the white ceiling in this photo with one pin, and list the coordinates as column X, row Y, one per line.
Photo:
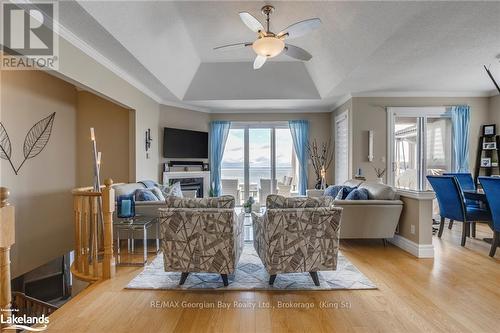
column 362, row 48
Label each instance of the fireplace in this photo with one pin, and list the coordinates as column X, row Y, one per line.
column 190, row 184
column 190, row 180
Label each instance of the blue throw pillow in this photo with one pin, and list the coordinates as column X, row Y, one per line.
column 344, row 192
column 145, row 195
column 333, row 190
column 358, row 194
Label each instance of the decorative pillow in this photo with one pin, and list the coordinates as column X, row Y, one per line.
column 344, row 192
column 173, row 190
column 225, row 201
column 378, row 191
column 145, row 194
column 149, row 183
column 358, row 194
column 275, row 201
column 333, row 190
column 158, row 193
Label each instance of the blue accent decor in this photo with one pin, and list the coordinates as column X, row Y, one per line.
column 333, row 190
column 460, row 117
column 344, row 192
column 126, row 206
column 145, row 195
column 452, row 204
column 218, row 132
column 491, row 187
column 358, row 194
column 300, row 135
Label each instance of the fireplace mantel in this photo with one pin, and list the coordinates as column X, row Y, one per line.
column 167, row 176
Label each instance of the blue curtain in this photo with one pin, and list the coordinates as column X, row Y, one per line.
column 218, row 133
column 300, row 135
column 460, row 117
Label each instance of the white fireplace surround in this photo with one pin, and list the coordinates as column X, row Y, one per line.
column 167, row 176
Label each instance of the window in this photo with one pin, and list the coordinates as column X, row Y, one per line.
column 420, row 141
column 258, row 160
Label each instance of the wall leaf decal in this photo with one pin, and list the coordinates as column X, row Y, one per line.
column 5, row 146
column 37, row 138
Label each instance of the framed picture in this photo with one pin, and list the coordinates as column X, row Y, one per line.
column 489, row 130
column 485, row 162
column 489, row 145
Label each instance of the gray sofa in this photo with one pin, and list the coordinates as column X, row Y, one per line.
column 144, row 208
column 375, row 218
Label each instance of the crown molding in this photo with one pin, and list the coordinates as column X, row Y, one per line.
column 422, row 94
column 101, row 59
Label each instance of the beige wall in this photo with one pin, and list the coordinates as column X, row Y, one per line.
column 83, row 70
column 369, row 113
column 319, row 127
column 111, row 124
column 494, row 111
column 41, row 191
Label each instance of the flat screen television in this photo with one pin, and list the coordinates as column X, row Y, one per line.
column 178, row 143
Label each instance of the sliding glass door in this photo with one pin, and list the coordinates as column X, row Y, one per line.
column 259, row 160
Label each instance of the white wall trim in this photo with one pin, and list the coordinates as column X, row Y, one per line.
column 418, row 250
column 423, row 94
column 94, row 54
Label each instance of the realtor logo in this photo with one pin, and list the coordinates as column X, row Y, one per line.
column 29, row 36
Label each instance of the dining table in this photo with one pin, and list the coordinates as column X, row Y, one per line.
column 479, row 196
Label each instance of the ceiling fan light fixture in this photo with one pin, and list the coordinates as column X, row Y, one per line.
column 268, row 46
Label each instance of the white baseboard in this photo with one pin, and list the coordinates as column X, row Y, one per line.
column 418, row 250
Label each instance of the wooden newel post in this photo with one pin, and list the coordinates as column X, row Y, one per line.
column 108, row 207
column 7, row 239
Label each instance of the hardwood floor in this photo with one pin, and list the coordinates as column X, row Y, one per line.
column 457, row 291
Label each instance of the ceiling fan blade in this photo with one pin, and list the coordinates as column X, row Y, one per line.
column 301, row 28
column 297, row 52
column 251, row 22
column 233, row 46
column 259, row 61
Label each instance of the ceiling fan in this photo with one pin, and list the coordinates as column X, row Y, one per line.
column 268, row 44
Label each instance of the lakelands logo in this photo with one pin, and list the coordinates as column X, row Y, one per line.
column 29, row 35
column 24, row 322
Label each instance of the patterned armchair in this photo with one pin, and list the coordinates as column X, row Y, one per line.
column 201, row 235
column 298, row 235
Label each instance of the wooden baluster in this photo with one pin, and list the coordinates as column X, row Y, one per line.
column 85, row 235
column 77, row 204
column 108, row 207
column 94, row 248
column 7, row 239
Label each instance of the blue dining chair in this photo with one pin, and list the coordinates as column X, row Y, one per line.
column 491, row 187
column 466, row 182
column 452, row 204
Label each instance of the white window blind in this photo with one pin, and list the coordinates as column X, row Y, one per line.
column 341, row 149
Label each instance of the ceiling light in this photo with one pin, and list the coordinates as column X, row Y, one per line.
column 268, row 46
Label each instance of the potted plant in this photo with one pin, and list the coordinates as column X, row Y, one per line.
column 247, row 206
column 380, row 172
column 321, row 157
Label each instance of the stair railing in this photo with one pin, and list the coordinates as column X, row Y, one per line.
column 94, row 259
column 7, row 239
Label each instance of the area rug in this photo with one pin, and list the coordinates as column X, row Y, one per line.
column 251, row 275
